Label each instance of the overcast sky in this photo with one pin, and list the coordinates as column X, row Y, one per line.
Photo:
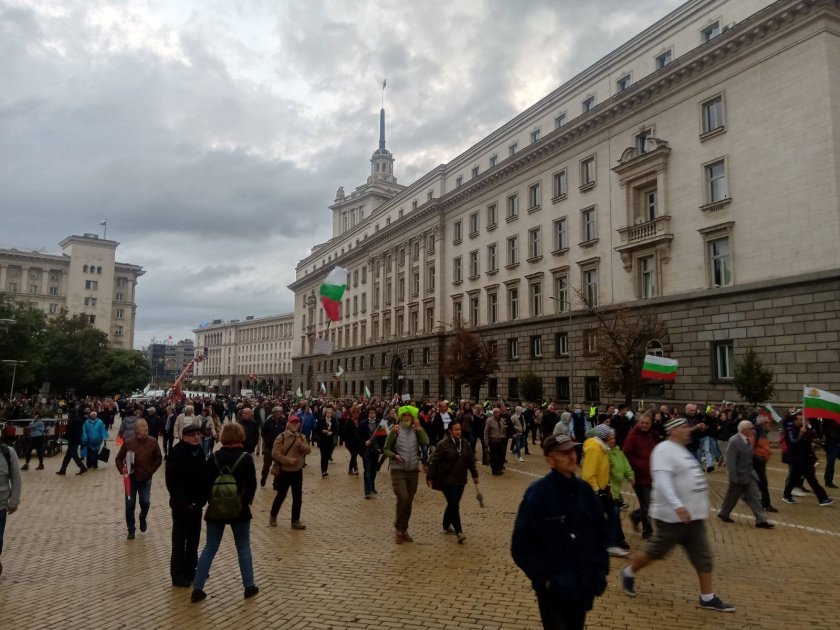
column 213, row 134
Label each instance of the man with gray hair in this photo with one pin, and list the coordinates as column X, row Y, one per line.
column 743, row 480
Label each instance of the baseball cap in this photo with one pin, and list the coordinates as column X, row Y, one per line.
column 558, row 443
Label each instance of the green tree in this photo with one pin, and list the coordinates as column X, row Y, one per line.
column 125, row 370
column 22, row 341
column 469, row 359
column 753, row 381
column 530, row 387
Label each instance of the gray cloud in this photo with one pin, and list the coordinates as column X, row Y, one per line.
column 213, row 135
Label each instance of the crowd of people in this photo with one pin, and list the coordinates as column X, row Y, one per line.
column 218, row 451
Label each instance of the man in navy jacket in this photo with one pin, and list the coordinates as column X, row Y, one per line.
column 560, row 539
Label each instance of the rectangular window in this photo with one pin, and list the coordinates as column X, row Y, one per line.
column 590, row 286
column 456, row 232
column 457, row 312
column 53, row 290
column 724, row 360
column 430, row 245
column 647, row 276
column 474, row 314
column 415, row 255
column 561, row 294
column 535, row 136
column 513, row 387
column 589, row 225
column 534, row 243
column 587, row 171
column 493, row 160
column 561, row 388
column 710, row 32
column 592, row 388
column 623, row 83
column 473, row 224
column 473, row 264
column 534, row 196
column 91, row 319
column 513, row 348
column 491, row 216
column 492, row 258
column 664, row 59
column 561, row 343
column 492, row 387
column 559, row 189
column 561, row 237
column 430, row 281
column 560, row 121
column 53, row 309
column 427, row 356
column 649, row 204
column 716, row 188
column 458, row 181
column 119, row 313
column 513, row 250
column 91, row 285
column 640, row 140
column 720, row 255
column 590, row 341
column 712, row 112
column 588, row 103
column 118, row 331
column 512, row 149
column 456, row 270
column 474, row 172
column 512, row 207
column 415, row 287
column 356, row 278
column 536, row 346
column 430, row 318
column 492, row 308
column 513, row 303
column 535, row 298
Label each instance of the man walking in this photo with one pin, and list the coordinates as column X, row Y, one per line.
column 10, row 485
column 560, row 540
column 274, row 426
column 495, row 435
column 679, row 508
column 186, row 480
column 742, row 477
column 140, row 456
column 75, row 425
column 289, row 452
column 638, row 448
column 402, row 446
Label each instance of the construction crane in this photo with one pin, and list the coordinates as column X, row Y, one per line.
column 177, row 392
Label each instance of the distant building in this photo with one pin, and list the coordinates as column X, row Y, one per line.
column 254, row 353
column 167, row 360
column 84, row 279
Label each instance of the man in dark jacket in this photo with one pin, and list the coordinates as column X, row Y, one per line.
column 75, row 424
column 274, row 426
column 560, row 540
column 186, row 480
column 252, row 430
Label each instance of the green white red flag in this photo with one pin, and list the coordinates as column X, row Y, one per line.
column 820, row 404
column 331, row 292
column 367, row 392
column 659, row 368
column 767, row 411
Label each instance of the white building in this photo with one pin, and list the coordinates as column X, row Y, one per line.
column 84, row 278
column 693, row 170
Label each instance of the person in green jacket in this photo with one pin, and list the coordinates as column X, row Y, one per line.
column 403, row 448
column 620, row 471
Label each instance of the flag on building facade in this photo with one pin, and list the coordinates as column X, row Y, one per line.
column 820, row 404
column 332, row 291
column 766, row 410
column 659, row 368
column 339, row 372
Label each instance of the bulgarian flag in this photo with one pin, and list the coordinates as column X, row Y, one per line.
column 767, row 411
column 659, row 368
column 332, row 291
column 367, row 392
column 323, row 389
column 820, row 404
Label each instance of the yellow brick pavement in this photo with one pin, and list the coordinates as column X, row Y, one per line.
column 68, row 564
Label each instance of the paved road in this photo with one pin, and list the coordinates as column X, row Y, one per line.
column 68, row 564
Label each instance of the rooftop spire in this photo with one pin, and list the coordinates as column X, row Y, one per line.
column 382, row 128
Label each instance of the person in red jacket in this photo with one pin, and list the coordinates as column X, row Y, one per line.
column 637, row 448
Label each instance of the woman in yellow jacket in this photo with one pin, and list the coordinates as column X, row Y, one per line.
column 596, row 472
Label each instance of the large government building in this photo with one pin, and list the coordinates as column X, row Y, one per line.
column 84, row 279
column 693, row 170
column 253, row 353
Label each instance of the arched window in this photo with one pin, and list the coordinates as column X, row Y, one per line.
column 654, row 348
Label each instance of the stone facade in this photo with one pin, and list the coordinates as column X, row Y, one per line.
column 662, row 175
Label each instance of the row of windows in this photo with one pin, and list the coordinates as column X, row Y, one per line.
column 92, row 269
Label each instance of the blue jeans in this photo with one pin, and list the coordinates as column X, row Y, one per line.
column 706, row 452
column 242, row 540
column 614, row 532
column 2, row 527
column 145, row 491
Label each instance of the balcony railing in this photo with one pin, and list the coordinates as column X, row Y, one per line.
column 643, row 233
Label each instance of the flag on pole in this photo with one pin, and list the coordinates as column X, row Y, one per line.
column 323, row 388
column 340, row 372
column 298, row 393
column 103, row 223
column 820, row 404
column 331, row 292
column 384, row 83
column 766, row 410
column 367, row 392
column 659, row 368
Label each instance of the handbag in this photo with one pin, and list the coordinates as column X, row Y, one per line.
column 104, row 454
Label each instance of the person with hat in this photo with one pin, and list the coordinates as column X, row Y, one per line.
column 596, row 472
column 679, row 509
column 274, row 426
column 289, row 454
column 560, row 539
column 403, row 447
column 186, row 480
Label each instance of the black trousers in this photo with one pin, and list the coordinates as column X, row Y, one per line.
column 325, row 445
column 560, row 616
column 38, row 444
column 282, row 482
column 806, row 470
column 760, row 467
column 72, row 452
column 452, row 513
column 497, row 456
column 186, row 530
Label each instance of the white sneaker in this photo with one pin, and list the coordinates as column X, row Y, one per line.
column 618, row 552
column 522, row 459
column 798, row 493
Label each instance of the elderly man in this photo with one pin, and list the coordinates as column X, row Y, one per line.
column 252, row 430
column 560, row 540
column 743, row 481
column 495, row 435
column 289, row 451
column 140, row 457
column 679, row 509
column 185, row 419
column 403, row 447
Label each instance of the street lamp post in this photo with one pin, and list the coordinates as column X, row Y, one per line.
column 568, row 305
column 14, row 365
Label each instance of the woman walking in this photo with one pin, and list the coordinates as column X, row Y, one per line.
column 325, row 429
column 233, row 459
column 93, row 434
column 451, row 460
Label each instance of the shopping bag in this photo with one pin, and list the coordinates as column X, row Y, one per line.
column 104, row 454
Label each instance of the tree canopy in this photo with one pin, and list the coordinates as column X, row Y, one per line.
column 753, row 381
column 469, row 359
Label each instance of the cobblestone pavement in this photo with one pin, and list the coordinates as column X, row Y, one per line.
column 68, row 563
